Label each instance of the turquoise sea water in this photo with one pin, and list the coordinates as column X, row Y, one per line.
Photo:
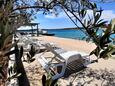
column 64, row 33
column 73, row 34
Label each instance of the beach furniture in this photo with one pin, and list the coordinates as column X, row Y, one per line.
column 64, row 63
column 26, row 42
column 63, row 54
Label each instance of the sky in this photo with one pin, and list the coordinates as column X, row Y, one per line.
column 62, row 21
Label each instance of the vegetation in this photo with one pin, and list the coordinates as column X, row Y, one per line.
column 14, row 13
column 47, row 81
column 91, row 26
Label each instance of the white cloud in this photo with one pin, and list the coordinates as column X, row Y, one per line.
column 60, row 15
column 53, row 16
column 106, row 15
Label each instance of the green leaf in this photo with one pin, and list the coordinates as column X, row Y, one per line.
column 95, row 5
column 83, row 13
column 113, row 24
column 2, row 72
column 10, row 53
column 14, row 76
column 113, row 53
column 44, row 80
column 106, row 53
column 99, row 21
column 97, row 17
column 21, row 52
column 54, row 82
column 32, row 51
column 95, row 51
column 33, row 59
column 101, row 24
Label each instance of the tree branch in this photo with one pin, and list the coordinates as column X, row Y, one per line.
column 72, row 20
column 30, row 7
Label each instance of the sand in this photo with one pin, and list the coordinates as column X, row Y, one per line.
column 102, row 68
column 70, row 44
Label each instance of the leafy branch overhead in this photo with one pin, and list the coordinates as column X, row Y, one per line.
column 15, row 13
column 96, row 29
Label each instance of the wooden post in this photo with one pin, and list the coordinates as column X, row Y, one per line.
column 32, row 31
column 37, row 30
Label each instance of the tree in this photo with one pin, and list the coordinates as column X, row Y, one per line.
column 104, row 1
column 14, row 13
column 92, row 24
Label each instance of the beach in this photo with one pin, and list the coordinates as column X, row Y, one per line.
column 69, row 44
column 36, row 72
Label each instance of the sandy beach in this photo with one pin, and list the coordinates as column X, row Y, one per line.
column 69, row 44
column 36, row 72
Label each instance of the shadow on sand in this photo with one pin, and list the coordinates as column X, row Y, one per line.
column 93, row 78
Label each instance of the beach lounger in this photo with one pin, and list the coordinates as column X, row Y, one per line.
column 26, row 42
column 68, row 62
column 63, row 54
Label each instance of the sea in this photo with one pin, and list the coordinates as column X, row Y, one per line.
column 67, row 33
column 73, row 33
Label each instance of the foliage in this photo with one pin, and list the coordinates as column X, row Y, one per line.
column 88, row 76
column 12, row 70
column 14, row 13
column 48, row 81
column 92, row 24
column 103, row 1
column 31, row 54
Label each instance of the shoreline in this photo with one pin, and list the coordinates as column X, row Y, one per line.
column 69, row 44
column 35, row 71
column 80, row 46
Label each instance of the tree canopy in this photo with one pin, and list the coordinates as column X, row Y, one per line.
column 15, row 13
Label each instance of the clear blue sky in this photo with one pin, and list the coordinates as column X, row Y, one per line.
column 62, row 21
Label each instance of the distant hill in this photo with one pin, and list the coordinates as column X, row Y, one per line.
column 72, row 28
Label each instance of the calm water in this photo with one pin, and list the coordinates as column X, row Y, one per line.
column 74, row 34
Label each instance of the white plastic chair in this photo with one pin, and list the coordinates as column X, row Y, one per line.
column 50, row 67
column 68, row 62
column 25, row 40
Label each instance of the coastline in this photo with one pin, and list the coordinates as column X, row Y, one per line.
column 69, row 44
column 35, row 71
column 81, row 46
